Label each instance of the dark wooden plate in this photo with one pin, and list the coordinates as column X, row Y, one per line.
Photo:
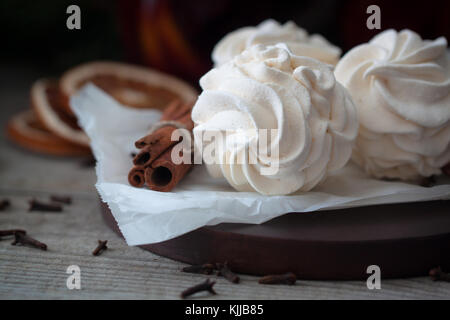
column 404, row 240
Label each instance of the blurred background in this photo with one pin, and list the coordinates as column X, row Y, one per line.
column 177, row 36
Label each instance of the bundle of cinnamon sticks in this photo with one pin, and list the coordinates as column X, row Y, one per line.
column 153, row 165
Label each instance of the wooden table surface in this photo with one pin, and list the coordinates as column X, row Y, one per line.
column 121, row 272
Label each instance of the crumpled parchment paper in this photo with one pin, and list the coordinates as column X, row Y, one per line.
column 146, row 216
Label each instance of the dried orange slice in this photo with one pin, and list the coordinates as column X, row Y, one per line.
column 25, row 130
column 133, row 86
column 45, row 102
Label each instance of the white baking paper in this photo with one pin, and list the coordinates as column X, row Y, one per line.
column 146, row 216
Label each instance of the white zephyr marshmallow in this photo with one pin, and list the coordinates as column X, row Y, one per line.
column 401, row 87
column 268, row 87
column 270, row 32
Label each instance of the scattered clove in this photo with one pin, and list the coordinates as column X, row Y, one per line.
column 5, row 233
column 437, row 274
column 206, row 269
column 288, row 278
column 47, row 207
column 24, row 240
column 5, row 203
column 61, row 199
column 133, row 155
column 100, row 248
column 225, row 272
column 204, row 286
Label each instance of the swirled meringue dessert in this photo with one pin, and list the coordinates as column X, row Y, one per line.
column 311, row 117
column 401, row 87
column 270, row 32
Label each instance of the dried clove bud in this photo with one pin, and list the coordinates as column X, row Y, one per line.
column 225, row 272
column 100, row 248
column 24, row 240
column 204, row 286
column 206, row 269
column 288, row 278
column 61, row 199
column 5, row 233
column 47, row 207
column 437, row 274
column 5, row 203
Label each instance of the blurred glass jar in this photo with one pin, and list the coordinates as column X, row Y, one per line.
column 172, row 36
column 177, row 36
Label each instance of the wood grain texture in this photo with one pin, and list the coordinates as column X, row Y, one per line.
column 121, row 272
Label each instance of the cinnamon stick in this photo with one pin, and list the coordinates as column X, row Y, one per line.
column 153, row 165
column 163, row 175
column 136, row 176
column 176, row 110
column 154, row 145
column 157, row 143
column 163, row 135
